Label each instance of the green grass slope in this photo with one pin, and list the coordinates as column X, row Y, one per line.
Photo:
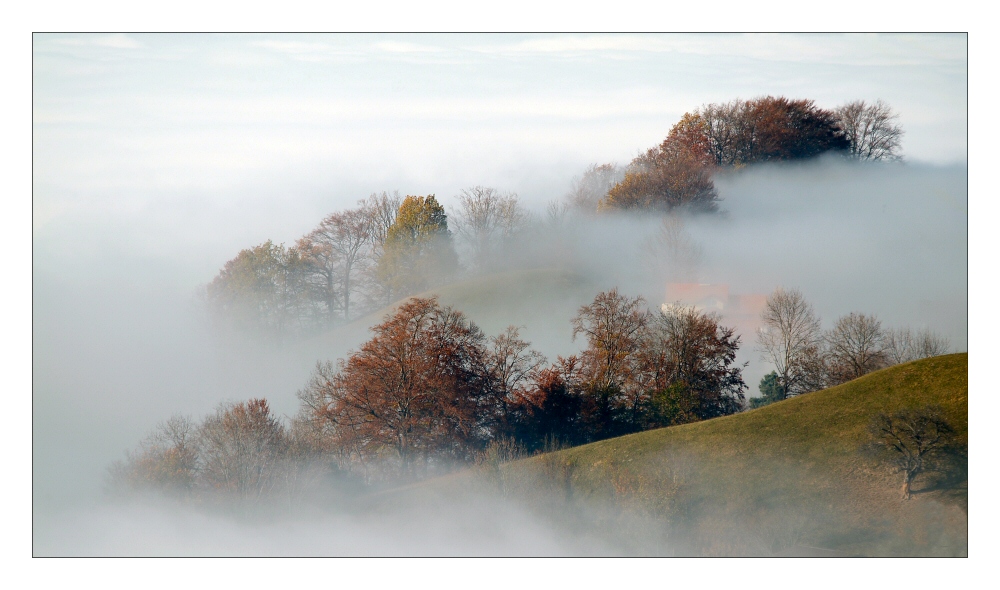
column 786, row 476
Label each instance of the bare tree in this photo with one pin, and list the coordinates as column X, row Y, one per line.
column 512, row 364
column 241, row 449
column 615, row 328
column 854, row 347
column 911, row 440
column 790, row 339
column 167, row 460
column 588, row 190
column 381, row 210
column 871, row 129
column 903, row 346
column 487, row 220
column 338, row 248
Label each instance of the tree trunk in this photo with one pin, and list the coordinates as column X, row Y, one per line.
column 907, row 478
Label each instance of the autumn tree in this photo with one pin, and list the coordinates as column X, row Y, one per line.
column 764, row 129
column 415, row 390
column 487, row 221
column 418, row 248
column 870, row 129
column 790, row 339
column 911, row 441
column 263, row 290
column 166, row 460
column 688, row 353
column 242, row 449
column 512, row 367
column 854, row 347
column 614, row 326
column 677, row 173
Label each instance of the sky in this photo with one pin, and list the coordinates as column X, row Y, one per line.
column 156, row 158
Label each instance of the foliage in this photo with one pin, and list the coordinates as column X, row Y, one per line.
column 770, row 391
column 416, row 388
column 261, row 291
column 675, row 174
column 767, row 129
column 418, row 248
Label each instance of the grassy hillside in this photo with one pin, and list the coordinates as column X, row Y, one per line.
column 777, row 480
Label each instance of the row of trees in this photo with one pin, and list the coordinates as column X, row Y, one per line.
column 678, row 172
column 242, row 451
column 430, row 388
column 806, row 358
column 362, row 258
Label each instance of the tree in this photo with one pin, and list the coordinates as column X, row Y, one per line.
column 166, row 460
column 381, row 210
column 902, row 345
column 263, row 290
column 615, row 328
column 854, row 347
column 242, row 449
column 911, row 441
column 416, row 389
column 418, row 247
column 870, row 129
column 335, row 251
column 512, row 366
column 672, row 252
column 693, row 356
column 593, row 185
column 487, row 221
column 743, row 132
column 677, row 173
column 790, row 339
column 770, row 391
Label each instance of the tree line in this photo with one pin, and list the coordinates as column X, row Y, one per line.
column 806, row 358
column 389, row 247
column 430, row 391
column 678, row 172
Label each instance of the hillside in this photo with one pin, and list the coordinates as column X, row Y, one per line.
column 786, row 479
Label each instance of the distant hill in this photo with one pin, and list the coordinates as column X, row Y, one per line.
column 786, row 479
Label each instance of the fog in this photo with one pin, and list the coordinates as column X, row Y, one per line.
column 157, row 158
column 121, row 343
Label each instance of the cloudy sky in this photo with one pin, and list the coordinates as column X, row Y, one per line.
column 123, row 120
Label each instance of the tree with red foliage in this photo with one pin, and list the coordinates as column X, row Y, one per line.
column 417, row 389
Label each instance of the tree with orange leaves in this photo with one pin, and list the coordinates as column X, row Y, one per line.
column 413, row 393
